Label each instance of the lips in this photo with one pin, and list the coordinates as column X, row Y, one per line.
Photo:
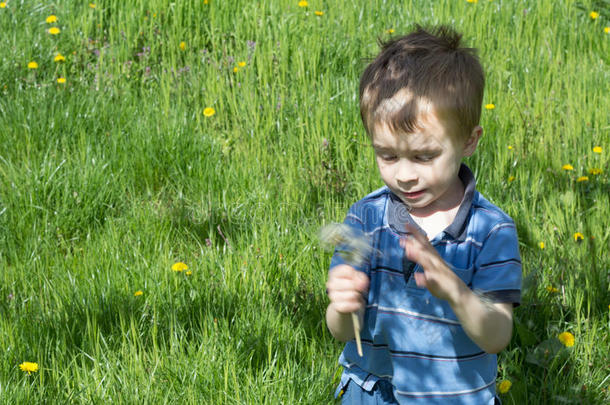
column 414, row 194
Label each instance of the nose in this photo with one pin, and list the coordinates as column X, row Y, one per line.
column 406, row 174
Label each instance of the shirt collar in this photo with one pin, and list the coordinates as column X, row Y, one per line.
column 398, row 214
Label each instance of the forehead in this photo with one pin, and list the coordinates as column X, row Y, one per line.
column 430, row 133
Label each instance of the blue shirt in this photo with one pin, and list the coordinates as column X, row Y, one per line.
column 411, row 337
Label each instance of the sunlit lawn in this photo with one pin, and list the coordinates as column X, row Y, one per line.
column 135, row 135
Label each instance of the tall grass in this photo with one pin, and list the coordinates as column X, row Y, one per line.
column 108, row 179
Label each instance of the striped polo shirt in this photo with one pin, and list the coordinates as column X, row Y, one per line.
column 410, row 337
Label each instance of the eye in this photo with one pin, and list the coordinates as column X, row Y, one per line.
column 424, row 158
column 388, row 158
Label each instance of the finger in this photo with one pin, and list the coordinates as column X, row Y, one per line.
column 346, row 284
column 342, row 270
column 420, row 280
column 415, row 232
column 358, row 279
column 346, row 301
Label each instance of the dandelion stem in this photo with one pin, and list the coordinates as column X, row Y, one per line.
column 356, row 323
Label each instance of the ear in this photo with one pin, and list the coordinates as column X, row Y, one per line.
column 473, row 140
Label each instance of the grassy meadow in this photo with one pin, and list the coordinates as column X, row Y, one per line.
column 135, row 135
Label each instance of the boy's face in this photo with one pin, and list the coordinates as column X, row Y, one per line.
column 422, row 167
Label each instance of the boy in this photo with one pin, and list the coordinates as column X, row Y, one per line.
column 436, row 301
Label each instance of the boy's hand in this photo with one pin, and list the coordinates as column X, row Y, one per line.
column 437, row 277
column 346, row 288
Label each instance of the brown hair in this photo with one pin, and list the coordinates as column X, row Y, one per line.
column 425, row 66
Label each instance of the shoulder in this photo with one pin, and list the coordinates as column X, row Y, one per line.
column 370, row 209
column 488, row 218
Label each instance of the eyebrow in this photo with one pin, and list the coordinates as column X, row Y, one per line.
column 432, row 149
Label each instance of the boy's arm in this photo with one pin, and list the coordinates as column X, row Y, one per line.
column 488, row 324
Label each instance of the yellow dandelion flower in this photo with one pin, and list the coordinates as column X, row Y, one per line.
column 29, row 367
column 138, row 293
column 566, row 338
column 188, row 273
column 235, row 69
column 597, row 149
column 59, row 58
column 209, row 111
column 504, row 386
column 61, row 80
column 2, row 5
column 552, row 289
column 511, row 179
column 51, row 19
column 582, row 178
column 510, row 147
column 593, row 15
column 54, row 31
column 319, row 13
column 471, row 1
column 578, row 237
column 595, row 171
column 205, row 1
column 92, row 5
column 541, row 245
column 241, row 64
column 607, row 30
column 303, row 3
column 179, row 267
column 567, row 167
column 390, row 30
column 490, row 106
column 182, row 46
column 32, row 65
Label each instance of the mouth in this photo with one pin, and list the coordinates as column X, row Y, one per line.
column 413, row 195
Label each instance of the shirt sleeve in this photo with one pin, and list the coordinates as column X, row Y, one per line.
column 497, row 269
column 357, row 250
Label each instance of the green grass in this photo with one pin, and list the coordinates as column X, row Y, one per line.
column 110, row 178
